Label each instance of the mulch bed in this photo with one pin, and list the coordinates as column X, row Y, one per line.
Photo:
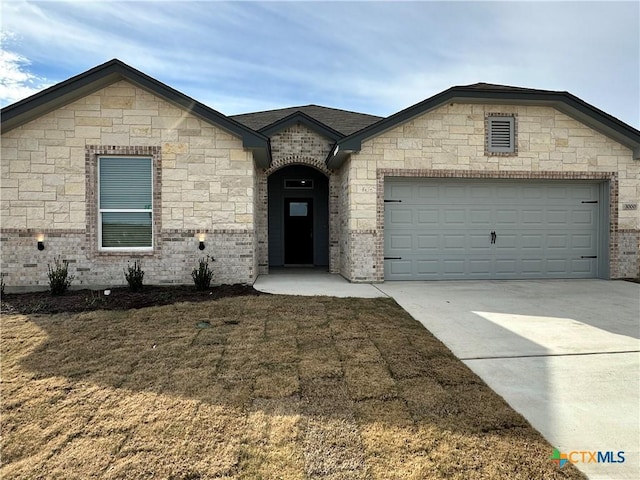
column 119, row 298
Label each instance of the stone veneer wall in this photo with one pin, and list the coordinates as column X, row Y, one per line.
column 450, row 142
column 204, row 183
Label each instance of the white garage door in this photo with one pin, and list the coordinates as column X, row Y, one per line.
column 437, row 229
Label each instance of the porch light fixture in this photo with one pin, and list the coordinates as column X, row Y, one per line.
column 41, row 242
column 201, row 240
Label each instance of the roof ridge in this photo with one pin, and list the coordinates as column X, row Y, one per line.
column 499, row 86
column 301, row 107
column 343, row 110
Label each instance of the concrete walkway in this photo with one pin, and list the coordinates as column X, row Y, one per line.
column 311, row 282
column 563, row 353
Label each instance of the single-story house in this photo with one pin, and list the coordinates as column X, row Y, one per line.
column 477, row 182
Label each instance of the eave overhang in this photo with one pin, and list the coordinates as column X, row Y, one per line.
column 562, row 101
column 113, row 71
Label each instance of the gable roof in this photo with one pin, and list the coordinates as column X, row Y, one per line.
column 491, row 93
column 301, row 118
column 112, row 71
column 348, row 129
column 342, row 121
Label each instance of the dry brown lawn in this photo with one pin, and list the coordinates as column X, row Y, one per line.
column 277, row 388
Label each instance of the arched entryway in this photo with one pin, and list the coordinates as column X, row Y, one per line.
column 298, row 217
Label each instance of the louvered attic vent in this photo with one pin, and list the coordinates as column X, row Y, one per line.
column 501, row 134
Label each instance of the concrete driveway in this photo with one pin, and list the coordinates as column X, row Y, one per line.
column 564, row 353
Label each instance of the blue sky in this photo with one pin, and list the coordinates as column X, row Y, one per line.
column 373, row 57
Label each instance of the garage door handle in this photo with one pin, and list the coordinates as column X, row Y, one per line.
column 393, row 258
column 588, row 256
column 493, row 237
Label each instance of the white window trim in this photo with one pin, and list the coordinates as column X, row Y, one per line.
column 124, row 210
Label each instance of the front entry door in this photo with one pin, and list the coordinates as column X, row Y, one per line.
column 298, row 231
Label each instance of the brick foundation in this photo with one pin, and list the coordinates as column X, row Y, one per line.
column 23, row 265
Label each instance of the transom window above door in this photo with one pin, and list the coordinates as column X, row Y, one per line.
column 302, row 183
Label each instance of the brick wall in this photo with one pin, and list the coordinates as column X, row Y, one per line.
column 23, row 265
column 299, row 140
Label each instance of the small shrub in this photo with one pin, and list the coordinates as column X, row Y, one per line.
column 1, row 286
column 59, row 278
column 134, row 275
column 202, row 275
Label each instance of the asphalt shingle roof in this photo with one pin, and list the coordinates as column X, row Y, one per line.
column 343, row 121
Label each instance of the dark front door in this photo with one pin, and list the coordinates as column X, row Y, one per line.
column 298, row 231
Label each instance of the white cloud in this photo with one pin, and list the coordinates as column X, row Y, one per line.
column 375, row 57
column 16, row 81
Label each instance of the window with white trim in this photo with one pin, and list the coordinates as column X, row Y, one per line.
column 501, row 134
column 125, row 203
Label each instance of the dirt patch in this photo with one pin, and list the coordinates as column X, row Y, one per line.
column 119, row 298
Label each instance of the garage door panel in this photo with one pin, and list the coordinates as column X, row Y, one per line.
column 505, row 241
column 532, row 192
column 455, row 217
column 401, row 242
column 401, row 216
column 506, row 265
column 557, row 217
column 427, row 267
column 454, row 193
column 557, row 241
column 455, row 242
column 531, row 241
column 506, row 217
column 584, row 266
column 428, row 242
column 583, row 192
column 480, row 241
column 507, row 193
column 480, row 217
column 399, row 267
column 479, row 266
column 556, row 265
column 479, row 192
column 441, row 229
column 427, row 217
column 532, row 217
column 531, row 266
column 582, row 217
column 557, row 192
column 453, row 266
column 428, row 192
column 583, row 241
column 400, row 192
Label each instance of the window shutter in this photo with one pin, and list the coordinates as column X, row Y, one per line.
column 501, row 134
column 126, row 229
column 125, row 202
column 125, row 183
